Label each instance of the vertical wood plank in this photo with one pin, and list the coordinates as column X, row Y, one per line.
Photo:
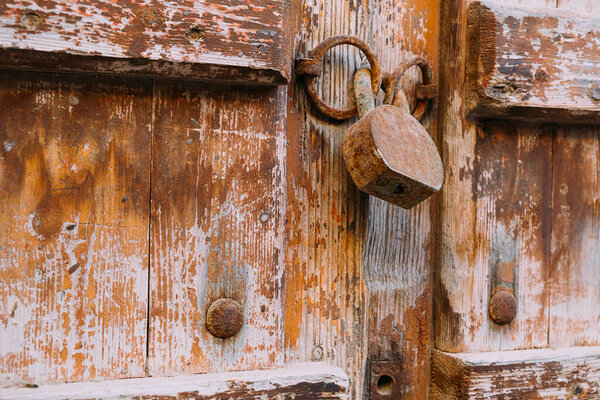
column 400, row 245
column 494, row 210
column 345, row 302
column 575, row 317
column 575, row 287
column 326, row 214
column 217, row 225
column 73, row 254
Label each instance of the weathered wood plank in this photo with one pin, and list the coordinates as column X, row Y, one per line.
column 74, row 249
column 575, row 287
column 526, row 374
column 308, row 381
column 495, row 209
column 217, row 225
column 400, row 245
column 208, row 39
column 332, row 311
column 505, row 221
column 326, row 215
column 532, row 64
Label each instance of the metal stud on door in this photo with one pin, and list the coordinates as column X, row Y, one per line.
column 388, row 153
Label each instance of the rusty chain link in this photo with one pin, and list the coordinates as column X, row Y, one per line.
column 311, row 68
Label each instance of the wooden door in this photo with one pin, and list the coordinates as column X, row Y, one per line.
column 157, row 157
column 519, row 202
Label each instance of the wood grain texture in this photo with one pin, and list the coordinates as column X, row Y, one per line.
column 522, row 193
column 208, row 39
column 532, row 64
column 307, row 381
column 572, row 373
column 217, row 221
column 575, row 288
column 326, row 214
column 333, row 308
column 400, row 245
column 495, row 209
column 74, row 250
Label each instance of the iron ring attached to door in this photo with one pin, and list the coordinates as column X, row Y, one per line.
column 312, row 67
column 425, row 91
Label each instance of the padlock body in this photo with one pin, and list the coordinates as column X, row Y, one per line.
column 390, row 155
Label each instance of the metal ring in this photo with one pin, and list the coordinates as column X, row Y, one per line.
column 393, row 80
column 316, row 55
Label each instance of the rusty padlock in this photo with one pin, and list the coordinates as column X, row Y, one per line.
column 388, row 153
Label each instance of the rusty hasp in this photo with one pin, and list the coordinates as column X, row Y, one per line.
column 311, row 69
column 503, row 303
column 388, row 153
column 425, row 91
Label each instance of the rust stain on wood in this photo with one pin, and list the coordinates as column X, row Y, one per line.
column 217, row 225
column 531, row 64
column 527, row 374
column 73, row 257
column 238, row 40
column 329, row 303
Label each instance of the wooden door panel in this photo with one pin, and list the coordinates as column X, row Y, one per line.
column 503, row 223
column 575, row 268
column 358, row 283
column 495, row 211
column 575, row 287
column 74, row 254
column 521, row 193
column 217, row 225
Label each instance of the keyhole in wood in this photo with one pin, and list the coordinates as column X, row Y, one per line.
column 385, row 385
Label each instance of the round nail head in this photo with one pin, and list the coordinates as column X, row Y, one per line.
column 503, row 307
column 224, row 318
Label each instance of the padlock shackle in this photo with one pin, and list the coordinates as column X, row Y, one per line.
column 363, row 93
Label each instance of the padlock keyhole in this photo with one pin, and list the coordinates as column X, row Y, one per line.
column 402, row 190
column 399, row 190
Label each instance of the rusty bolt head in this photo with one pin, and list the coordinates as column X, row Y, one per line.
column 32, row 20
column 224, row 318
column 503, row 307
column 195, row 35
column 596, row 92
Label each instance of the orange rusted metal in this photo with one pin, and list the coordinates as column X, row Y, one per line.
column 427, row 89
column 311, row 68
column 389, row 154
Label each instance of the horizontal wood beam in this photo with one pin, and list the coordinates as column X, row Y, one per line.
column 306, row 381
column 523, row 374
column 532, row 64
column 233, row 41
